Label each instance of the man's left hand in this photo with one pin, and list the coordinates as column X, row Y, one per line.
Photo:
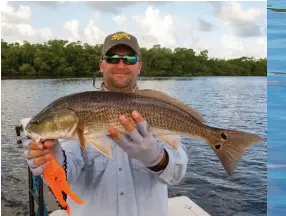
column 138, row 142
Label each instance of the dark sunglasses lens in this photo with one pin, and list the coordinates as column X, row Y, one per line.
column 130, row 60
column 116, row 58
column 112, row 59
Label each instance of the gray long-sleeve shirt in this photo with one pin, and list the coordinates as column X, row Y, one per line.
column 120, row 186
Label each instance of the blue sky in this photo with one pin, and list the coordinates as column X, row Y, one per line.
column 226, row 29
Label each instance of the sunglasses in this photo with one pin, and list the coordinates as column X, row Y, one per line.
column 114, row 59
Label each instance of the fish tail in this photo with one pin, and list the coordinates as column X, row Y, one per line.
column 230, row 146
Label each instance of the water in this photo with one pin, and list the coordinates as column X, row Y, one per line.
column 276, row 110
column 276, row 38
column 276, row 145
column 230, row 102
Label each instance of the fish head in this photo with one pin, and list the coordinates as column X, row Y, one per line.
column 52, row 124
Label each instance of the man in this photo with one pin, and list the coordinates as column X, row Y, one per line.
column 134, row 181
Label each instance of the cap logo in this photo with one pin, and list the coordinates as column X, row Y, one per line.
column 119, row 36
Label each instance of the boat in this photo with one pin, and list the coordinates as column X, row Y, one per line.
column 180, row 205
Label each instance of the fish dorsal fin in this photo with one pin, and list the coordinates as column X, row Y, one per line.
column 164, row 97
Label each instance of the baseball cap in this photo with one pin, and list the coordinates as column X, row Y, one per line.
column 120, row 38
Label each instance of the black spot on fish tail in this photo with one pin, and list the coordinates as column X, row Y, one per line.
column 230, row 146
column 223, row 136
column 217, row 146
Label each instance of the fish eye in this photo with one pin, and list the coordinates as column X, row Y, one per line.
column 36, row 121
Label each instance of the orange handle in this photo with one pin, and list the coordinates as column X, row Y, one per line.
column 55, row 176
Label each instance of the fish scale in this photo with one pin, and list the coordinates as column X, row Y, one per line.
column 93, row 111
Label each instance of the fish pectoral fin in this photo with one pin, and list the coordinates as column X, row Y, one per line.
column 171, row 140
column 170, row 137
column 101, row 143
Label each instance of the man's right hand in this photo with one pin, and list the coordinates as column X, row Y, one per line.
column 37, row 155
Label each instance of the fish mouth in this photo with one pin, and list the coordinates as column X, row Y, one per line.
column 33, row 136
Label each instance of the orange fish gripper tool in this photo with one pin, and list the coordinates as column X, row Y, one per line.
column 55, row 176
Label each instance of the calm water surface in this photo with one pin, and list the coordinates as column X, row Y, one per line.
column 229, row 102
column 276, row 136
column 276, row 110
column 276, row 37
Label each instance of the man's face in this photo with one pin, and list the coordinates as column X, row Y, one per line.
column 120, row 77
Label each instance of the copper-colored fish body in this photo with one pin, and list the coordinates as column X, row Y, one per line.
column 86, row 116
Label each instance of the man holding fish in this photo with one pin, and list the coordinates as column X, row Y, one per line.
column 118, row 168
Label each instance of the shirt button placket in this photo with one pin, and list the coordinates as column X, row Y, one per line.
column 121, row 193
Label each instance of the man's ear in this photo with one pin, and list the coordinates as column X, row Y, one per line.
column 100, row 66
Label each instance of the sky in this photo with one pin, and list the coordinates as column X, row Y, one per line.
column 227, row 29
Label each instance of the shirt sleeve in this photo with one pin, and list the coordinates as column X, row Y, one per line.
column 74, row 159
column 177, row 165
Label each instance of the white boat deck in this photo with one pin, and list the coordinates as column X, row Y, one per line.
column 182, row 206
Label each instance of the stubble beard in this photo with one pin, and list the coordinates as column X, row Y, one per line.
column 126, row 85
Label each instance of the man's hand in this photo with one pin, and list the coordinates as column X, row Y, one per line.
column 38, row 156
column 139, row 142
